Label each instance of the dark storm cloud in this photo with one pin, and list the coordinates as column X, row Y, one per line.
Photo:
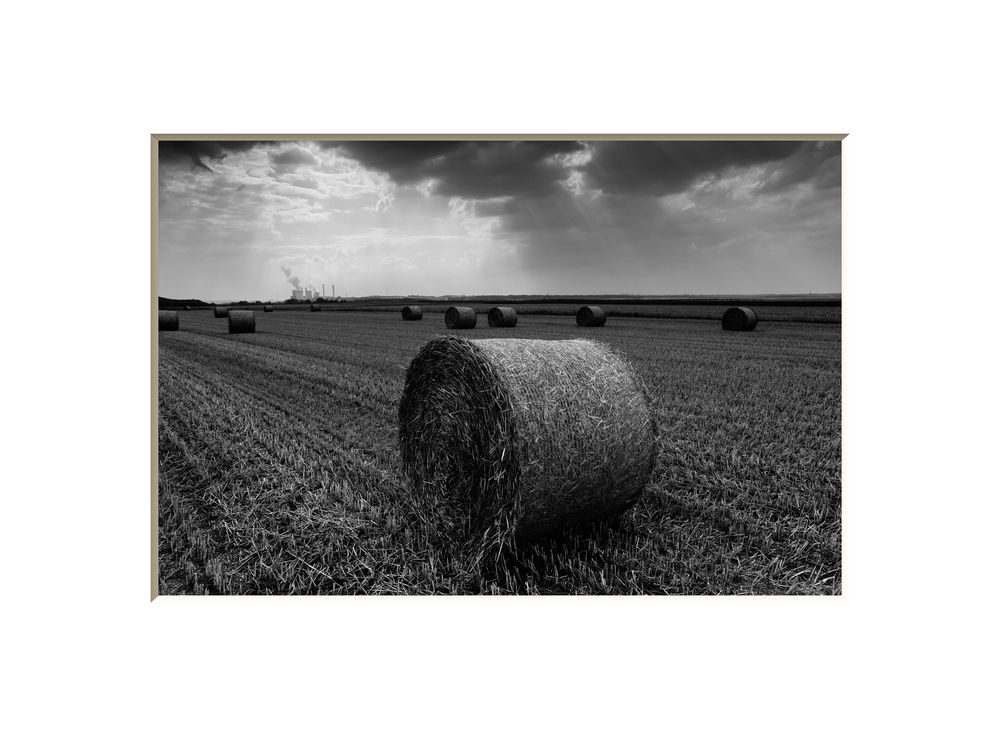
column 519, row 169
column 402, row 160
column 200, row 153
column 292, row 158
column 489, row 169
column 816, row 161
column 562, row 216
column 656, row 168
column 470, row 169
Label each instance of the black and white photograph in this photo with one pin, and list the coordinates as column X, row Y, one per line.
column 537, row 368
column 605, row 365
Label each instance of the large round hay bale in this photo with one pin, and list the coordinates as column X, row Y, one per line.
column 222, row 311
column 740, row 319
column 412, row 313
column 268, row 308
column 169, row 321
column 242, row 320
column 502, row 317
column 314, row 307
column 590, row 317
column 460, row 318
column 510, row 438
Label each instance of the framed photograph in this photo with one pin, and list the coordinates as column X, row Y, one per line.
column 496, row 365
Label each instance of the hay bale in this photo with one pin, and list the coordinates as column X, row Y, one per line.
column 460, row 318
column 510, row 438
column 169, row 321
column 739, row 319
column 590, row 317
column 502, row 317
column 242, row 320
column 412, row 313
column 314, row 307
column 222, row 311
column 268, row 308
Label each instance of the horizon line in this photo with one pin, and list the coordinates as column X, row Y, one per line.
column 718, row 295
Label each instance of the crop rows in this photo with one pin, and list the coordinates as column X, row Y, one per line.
column 279, row 470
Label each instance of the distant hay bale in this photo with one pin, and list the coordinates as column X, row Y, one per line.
column 460, row 318
column 242, row 320
column 740, row 319
column 222, row 311
column 314, row 307
column 590, row 317
column 412, row 313
column 502, row 317
column 169, row 321
column 268, row 308
column 508, row 438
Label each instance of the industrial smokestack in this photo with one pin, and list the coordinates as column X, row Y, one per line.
column 324, row 291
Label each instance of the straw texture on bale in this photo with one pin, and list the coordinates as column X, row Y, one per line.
column 740, row 319
column 590, row 317
column 222, row 311
column 506, row 439
column 411, row 313
column 314, row 307
column 268, row 308
column 460, row 318
column 502, row 317
column 169, row 321
column 242, row 320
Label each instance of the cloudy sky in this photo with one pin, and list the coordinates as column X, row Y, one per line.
column 240, row 220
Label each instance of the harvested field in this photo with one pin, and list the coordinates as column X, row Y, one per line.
column 279, row 467
column 822, row 313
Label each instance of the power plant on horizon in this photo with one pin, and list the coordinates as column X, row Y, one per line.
column 309, row 292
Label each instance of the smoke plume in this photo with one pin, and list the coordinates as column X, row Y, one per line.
column 293, row 280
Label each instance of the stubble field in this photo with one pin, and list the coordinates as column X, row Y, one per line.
column 279, row 470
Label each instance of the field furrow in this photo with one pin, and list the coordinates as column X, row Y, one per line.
column 279, row 466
